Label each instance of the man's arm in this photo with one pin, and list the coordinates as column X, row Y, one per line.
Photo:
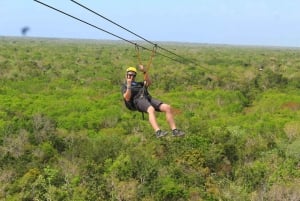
column 127, row 94
column 146, row 75
column 147, row 79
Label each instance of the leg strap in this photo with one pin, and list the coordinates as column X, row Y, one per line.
column 143, row 116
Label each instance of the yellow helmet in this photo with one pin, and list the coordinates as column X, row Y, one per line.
column 133, row 69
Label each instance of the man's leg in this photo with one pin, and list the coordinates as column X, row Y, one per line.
column 143, row 105
column 169, row 115
column 152, row 118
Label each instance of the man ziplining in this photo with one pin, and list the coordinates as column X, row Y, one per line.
column 137, row 97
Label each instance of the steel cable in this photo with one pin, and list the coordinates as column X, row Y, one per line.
column 94, row 26
column 96, row 13
column 184, row 60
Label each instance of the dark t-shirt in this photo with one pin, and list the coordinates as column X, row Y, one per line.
column 136, row 88
column 140, row 98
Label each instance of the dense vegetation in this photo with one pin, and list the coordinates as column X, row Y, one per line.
column 65, row 133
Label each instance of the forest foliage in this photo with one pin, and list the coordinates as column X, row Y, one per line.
column 65, row 133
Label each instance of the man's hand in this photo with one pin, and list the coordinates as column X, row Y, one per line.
column 127, row 94
column 129, row 80
column 142, row 68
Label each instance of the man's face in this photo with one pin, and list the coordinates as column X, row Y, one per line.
column 131, row 75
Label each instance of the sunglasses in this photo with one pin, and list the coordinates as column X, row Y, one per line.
column 131, row 74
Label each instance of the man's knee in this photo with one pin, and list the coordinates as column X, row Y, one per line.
column 151, row 109
column 165, row 107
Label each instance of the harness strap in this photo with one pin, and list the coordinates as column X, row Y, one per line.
column 147, row 67
column 138, row 53
column 151, row 58
column 149, row 62
column 143, row 116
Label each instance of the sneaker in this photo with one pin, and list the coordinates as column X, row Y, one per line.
column 177, row 133
column 161, row 133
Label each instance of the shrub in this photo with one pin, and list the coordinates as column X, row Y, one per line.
column 170, row 190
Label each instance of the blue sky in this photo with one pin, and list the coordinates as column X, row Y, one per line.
column 235, row 22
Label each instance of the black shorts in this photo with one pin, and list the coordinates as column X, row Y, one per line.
column 142, row 104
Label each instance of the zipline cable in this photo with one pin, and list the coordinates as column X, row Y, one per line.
column 133, row 43
column 76, row 18
column 96, row 13
column 83, row 21
column 154, row 44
